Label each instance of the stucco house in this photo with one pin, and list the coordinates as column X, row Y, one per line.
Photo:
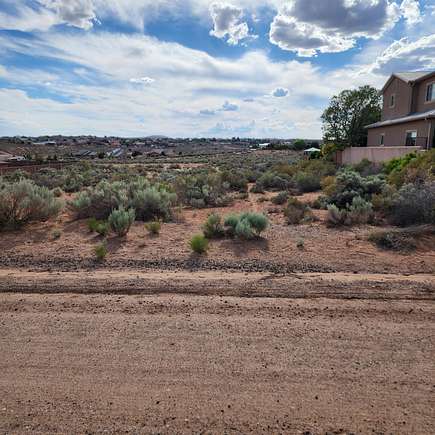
column 408, row 114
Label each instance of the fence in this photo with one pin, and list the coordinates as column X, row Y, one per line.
column 353, row 155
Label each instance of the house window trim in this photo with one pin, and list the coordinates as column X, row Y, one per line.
column 382, row 140
column 426, row 101
column 392, row 98
column 416, row 136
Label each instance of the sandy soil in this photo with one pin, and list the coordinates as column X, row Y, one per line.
column 325, row 249
column 192, row 364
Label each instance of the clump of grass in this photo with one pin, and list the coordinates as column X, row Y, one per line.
column 101, row 251
column 56, row 234
column 121, row 220
column 199, row 244
column 300, row 244
column 97, row 226
column 213, row 228
column 400, row 239
column 153, row 227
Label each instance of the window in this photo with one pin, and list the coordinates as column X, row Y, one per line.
column 411, row 138
column 382, row 139
column 430, row 93
column 392, row 100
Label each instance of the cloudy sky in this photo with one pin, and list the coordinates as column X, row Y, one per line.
column 263, row 68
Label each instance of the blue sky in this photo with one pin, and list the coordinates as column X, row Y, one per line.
column 189, row 68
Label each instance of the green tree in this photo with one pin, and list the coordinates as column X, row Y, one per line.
column 348, row 113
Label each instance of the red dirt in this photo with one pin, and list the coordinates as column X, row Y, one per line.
column 189, row 364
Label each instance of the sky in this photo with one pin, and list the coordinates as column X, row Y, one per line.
column 198, row 68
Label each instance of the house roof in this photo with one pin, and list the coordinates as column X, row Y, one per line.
column 409, row 118
column 409, row 77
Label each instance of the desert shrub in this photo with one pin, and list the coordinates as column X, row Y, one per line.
column 246, row 225
column 360, row 211
column 349, row 184
column 57, row 192
column 257, row 188
column 414, row 204
column 412, row 168
column 199, row 244
column 273, row 181
column 24, row 202
column 307, row 182
column 300, row 244
column 98, row 226
column 230, row 224
column 56, row 234
column 335, row 216
column 152, row 203
column 203, row 190
column 236, row 181
column 328, row 185
column 121, row 220
column 153, row 227
column 100, row 251
column 280, row 199
column 365, row 167
column 148, row 201
column 296, row 212
column 392, row 240
column 213, row 228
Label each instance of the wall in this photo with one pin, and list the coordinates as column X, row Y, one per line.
column 402, row 106
column 352, row 156
column 395, row 135
column 419, row 103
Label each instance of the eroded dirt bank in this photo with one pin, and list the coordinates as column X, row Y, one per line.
column 75, row 363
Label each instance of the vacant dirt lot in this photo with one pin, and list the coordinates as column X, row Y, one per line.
column 206, row 363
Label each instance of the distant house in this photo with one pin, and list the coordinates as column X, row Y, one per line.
column 408, row 114
column 117, row 152
column 47, row 142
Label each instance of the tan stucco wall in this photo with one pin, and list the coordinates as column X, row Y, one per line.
column 352, row 156
column 395, row 135
column 420, row 104
column 402, row 105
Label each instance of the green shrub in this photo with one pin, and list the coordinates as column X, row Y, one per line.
column 246, row 225
column 296, row 212
column 101, row 251
column 335, row 216
column 307, row 182
column 199, row 244
column 149, row 201
column 360, row 211
column 24, row 202
column 56, row 234
column 98, row 226
column 412, row 168
column 213, row 228
column 121, row 220
column 300, row 244
column 153, row 227
column 414, row 204
column 349, row 184
column 280, row 199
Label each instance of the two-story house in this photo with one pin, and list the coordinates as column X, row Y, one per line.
column 408, row 115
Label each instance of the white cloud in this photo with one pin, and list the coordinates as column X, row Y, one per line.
column 77, row 13
column 404, row 55
column 309, row 26
column 280, row 92
column 142, row 80
column 229, row 107
column 411, row 11
column 227, row 23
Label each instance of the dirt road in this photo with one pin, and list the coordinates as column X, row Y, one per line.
column 186, row 363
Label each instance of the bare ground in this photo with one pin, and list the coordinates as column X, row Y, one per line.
column 87, row 362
